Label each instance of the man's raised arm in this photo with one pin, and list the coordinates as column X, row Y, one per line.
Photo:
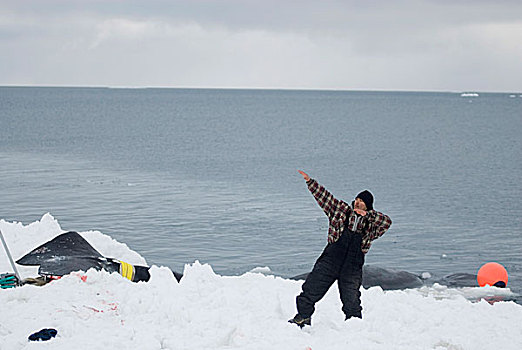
column 324, row 198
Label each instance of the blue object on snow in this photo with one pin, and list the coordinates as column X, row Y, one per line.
column 43, row 335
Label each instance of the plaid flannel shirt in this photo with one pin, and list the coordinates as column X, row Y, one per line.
column 372, row 226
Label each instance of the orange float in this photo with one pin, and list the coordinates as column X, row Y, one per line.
column 492, row 274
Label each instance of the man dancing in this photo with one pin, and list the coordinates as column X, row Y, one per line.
column 350, row 234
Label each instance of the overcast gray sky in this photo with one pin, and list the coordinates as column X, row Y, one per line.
column 442, row 45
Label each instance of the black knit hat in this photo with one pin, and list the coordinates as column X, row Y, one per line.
column 367, row 198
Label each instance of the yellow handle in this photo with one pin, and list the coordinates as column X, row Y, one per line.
column 126, row 270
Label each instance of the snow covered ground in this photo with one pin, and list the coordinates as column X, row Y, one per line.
column 208, row 311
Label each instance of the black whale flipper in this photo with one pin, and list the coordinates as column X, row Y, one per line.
column 66, row 253
column 66, row 244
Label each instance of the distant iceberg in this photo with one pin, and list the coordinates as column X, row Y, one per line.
column 469, row 94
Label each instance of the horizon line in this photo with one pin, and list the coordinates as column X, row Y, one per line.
column 252, row 88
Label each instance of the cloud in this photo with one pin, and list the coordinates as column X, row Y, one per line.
column 405, row 44
column 123, row 29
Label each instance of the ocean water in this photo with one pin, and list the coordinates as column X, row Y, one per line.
column 211, row 175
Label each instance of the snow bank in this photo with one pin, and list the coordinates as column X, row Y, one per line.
column 208, row 311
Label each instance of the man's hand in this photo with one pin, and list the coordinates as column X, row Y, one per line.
column 360, row 212
column 305, row 175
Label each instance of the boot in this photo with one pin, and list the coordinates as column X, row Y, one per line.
column 301, row 321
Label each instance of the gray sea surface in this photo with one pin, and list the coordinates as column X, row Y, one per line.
column 193, row 174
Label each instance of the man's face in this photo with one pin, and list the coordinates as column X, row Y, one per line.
column 359, row 204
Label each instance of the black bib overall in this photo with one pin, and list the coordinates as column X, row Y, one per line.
column 341, row 261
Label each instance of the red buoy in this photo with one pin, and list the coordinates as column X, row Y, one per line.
column 492, row 274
